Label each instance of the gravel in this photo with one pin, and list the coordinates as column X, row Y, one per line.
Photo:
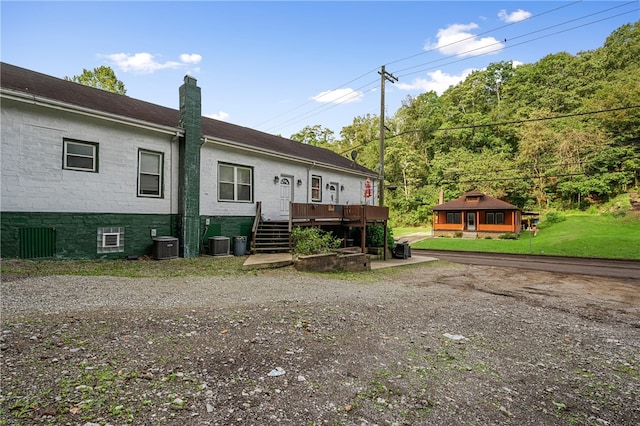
column 437, row 343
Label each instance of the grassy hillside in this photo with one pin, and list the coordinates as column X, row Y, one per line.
column 580, row 235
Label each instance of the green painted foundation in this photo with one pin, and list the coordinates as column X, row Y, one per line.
column 225, row 226
column 74, row 235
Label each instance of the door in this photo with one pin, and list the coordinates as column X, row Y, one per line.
column 285, row 195
column 333, row 192
column 471, row 221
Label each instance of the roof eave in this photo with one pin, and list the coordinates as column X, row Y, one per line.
column 270, row 153
column 88, row 112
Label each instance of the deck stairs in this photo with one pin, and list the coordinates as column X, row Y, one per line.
column 272, row 237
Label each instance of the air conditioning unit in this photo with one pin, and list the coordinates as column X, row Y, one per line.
column 219, row 246
column 165, row 248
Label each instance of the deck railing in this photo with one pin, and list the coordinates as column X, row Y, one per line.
column 356, row 215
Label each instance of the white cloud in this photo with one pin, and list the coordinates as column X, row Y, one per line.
column 437, row 81
column 146, row 63
column 190, row 58
column 338, row 96
column 516, row 63
column 517, row 16
column 222, row 116
column 457, row 40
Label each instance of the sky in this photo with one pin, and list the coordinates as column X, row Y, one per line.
column 280, row 66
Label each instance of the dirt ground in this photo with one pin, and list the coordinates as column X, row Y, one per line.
column 433, row 344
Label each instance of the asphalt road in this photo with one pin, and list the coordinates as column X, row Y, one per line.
column 570, row 265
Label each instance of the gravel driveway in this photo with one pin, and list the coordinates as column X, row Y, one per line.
column 437, row 343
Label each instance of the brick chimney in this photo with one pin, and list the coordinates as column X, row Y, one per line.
column 189, row 168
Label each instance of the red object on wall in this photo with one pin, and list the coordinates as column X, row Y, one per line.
column 367, row 188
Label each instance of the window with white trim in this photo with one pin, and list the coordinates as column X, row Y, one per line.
column 316, row 188
column 78, row 155
column 235, row 183
column 110, row 239
column 150, row 166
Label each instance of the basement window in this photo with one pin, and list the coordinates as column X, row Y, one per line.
column 110, row 239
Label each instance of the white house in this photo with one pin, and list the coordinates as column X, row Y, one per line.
column 87, row 173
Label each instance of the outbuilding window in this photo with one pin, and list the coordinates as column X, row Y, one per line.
column 495, row 218
column 454, row 217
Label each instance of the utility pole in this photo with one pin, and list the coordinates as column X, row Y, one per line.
column 384, row 76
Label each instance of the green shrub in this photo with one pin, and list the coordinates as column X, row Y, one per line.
column 310, row 240
column 458, row 234
column 508, row 236
column 375, row 236
column 553, row 217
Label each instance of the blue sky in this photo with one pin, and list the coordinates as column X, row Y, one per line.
column 281, row 66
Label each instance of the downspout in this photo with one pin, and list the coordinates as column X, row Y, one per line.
column 309, row 181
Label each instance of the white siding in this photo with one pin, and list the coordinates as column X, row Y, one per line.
column 33, row 179
column 265, row 168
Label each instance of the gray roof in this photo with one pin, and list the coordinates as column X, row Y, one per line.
column 30, row 82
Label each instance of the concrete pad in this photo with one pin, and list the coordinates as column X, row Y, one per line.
column 277, row 260
column 391, row 262
column 268, row 260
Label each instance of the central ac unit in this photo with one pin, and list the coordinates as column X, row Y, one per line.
column 219, row 246
column 165, row 248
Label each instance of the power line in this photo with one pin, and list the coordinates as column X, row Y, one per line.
column 510, row 39
column 552, row 175
column 528, row 120
column 324, row 107
column 500, row 123
column 432, row 49
column 527, row 167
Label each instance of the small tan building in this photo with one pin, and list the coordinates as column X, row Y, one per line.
column 476, row 214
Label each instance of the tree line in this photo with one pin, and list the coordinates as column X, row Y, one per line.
column 563, row 132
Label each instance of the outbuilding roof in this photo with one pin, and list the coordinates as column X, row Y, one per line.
column 58, row 90
column 475, row 200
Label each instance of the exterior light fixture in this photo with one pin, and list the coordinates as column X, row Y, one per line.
column 299, row 182
column 276, row 179
column 341, row 188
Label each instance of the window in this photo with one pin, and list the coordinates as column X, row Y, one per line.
column 495, row 218
column 235, row 183
column 150, row 165
column 454, row 217
column 316, row 188
column 111, row 239
column 82, row 156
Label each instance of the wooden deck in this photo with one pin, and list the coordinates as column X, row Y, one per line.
column 303, row 214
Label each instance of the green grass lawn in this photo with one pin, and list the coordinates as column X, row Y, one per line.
column 595, row 236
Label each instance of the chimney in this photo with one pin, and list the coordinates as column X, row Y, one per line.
column 189, row 168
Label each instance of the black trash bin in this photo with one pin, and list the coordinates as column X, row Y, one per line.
column 402, row 250
column 239, row 246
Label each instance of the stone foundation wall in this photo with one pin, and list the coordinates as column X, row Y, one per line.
column 327, row 262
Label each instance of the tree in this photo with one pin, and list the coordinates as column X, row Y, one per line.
column 315, row 135
column 101, row 77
